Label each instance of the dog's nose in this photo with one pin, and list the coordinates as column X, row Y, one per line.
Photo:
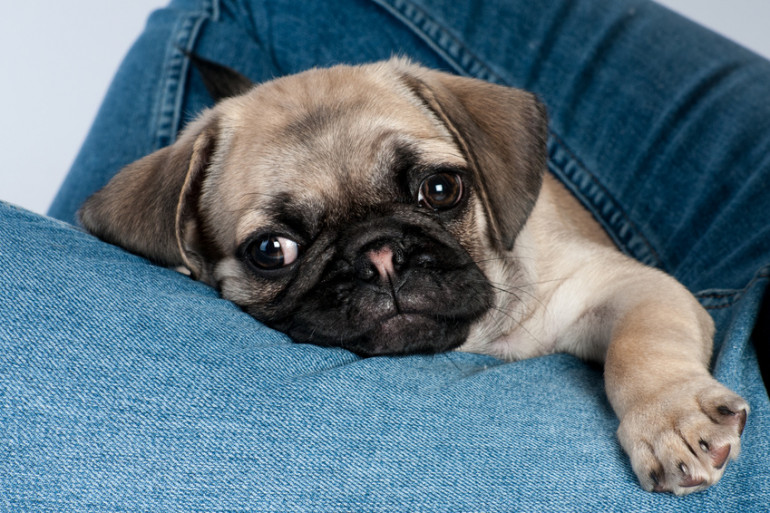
column 381, row 261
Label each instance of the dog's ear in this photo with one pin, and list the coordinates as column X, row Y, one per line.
column 151, row 206
column 502, row 132
column 220, row 81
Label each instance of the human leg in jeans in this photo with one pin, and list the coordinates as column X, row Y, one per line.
column 665, row 145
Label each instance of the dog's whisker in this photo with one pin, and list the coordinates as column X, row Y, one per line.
column 504, row 258
column 502, row 287
column 518, row 323
column 506, row 291
column 261, row 193
column 449, row 358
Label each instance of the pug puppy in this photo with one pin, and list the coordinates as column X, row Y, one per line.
column 391, row 209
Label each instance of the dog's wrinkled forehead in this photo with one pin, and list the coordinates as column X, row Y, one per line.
column 326, row 142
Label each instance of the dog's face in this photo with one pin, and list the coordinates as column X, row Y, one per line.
column 364, row 207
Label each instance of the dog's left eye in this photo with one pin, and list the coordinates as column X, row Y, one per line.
column 440, row 191
column 270, row 252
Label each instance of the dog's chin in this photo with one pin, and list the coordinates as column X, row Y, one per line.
column 399, row 334
column 410, row 333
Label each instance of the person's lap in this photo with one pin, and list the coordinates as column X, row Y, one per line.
column 132, row 386
column 129, row 386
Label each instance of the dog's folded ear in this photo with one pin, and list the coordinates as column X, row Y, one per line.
column 502, row 132
column 151, row 206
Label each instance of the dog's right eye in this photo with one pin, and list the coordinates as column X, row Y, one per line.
column 269, row 252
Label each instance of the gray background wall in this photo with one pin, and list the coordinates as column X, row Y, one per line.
column 57, row 58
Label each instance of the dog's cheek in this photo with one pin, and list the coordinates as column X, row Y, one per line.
column 471, row 232
column 237, row 284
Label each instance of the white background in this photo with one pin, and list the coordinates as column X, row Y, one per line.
column 57, row 59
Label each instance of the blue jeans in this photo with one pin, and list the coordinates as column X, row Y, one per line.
column 128, row 387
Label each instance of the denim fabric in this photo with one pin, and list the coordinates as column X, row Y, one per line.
column 128, row 387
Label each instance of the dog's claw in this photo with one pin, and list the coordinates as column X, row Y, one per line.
column 739, row 418
column 742, row 416
column 656, row 484
column 720, row 456
column 691, row 482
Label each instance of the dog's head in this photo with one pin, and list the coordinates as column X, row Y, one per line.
column 349, row 206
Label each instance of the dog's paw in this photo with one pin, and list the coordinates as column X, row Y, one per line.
column 682, row 441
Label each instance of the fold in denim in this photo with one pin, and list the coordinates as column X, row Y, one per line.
column 124, row 386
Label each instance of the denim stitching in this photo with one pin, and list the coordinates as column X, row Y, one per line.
column 567, row 167
column 186, row 31
column 600, row 202
column 440, row 40
column 722, row 299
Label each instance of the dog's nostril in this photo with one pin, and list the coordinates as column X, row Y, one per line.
column 424, row 260
column 364, row 269
column 399, row 258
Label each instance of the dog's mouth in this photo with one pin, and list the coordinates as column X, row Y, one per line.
column 413, row 333
column 396, row 334
column 370, row 324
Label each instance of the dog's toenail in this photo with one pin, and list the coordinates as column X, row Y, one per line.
column 742, row 416
column 719, row 456
column 656, row 484
column 724, row 410
column 690, row 482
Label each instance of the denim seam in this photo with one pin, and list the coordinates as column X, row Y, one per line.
column 574, row 174
column 731, row 296
column 440, row 40
column 569, row 169
column 186, row 32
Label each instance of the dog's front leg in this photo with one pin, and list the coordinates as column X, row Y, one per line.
column 679, row 426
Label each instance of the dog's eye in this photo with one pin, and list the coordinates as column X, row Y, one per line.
column 269, row 252
column 440, row 191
